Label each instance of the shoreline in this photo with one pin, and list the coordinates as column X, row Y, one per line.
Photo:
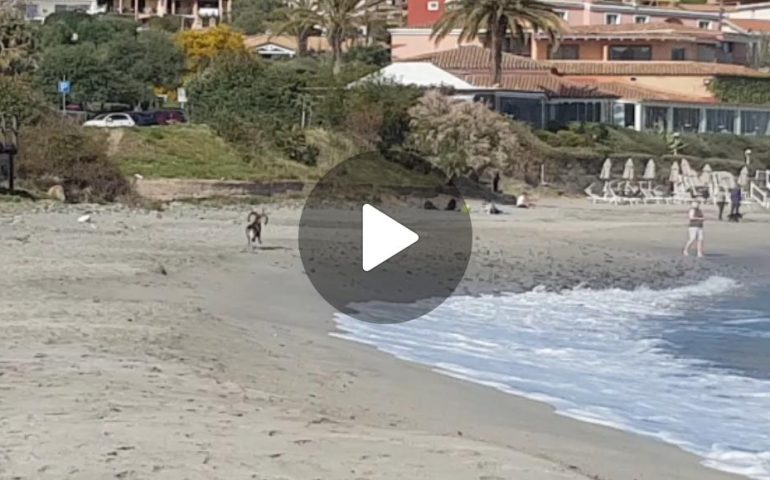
column 243, row 340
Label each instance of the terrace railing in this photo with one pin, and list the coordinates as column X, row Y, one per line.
column 759, row 195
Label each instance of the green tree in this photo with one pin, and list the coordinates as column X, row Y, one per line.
column 494, row 20
column 340, row 20
column 19, row 98
column 255, row 104
column 18, row 44
column 375, row 55
column 124, row 69
column 299, row 19
column 152, row 57
column 254, row 16
column 66, row 28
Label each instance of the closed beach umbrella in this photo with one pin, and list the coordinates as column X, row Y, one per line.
column 674, row 177
column 606, row 172
column 628, row 170
column 705, row 175
column 649, row 170
column 743, row 177
column 686, row 170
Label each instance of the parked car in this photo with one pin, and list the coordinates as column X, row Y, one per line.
column 169, row 117
column 144, row 119
column 111, row 120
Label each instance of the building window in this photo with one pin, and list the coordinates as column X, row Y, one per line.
column 433, row 6
column 31, row 11
column 525, row 110
column 561, row 114
column 755, row 123
column 678, row 54
column 686, row 120
column 612, row 19
column 630, row 52
column 720, row 121
column 561, row 13
column 641, row 19
column 566, row 52
column 655, row 118
column 704, row 24
column 624, row 115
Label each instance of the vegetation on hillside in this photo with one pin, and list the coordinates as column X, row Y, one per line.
column 259, row 120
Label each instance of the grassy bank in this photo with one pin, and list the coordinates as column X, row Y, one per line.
column 572, row 157
column 193, row 151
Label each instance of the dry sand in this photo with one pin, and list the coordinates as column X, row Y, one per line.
column 154, row 345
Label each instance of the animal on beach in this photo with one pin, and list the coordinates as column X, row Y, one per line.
column 254, row 223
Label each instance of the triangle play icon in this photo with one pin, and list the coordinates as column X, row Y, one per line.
column 382, row 237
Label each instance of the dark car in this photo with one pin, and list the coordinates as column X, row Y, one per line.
column 169, row 117
column 143, row 119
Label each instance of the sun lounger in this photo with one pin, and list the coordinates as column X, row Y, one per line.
column 594, row 197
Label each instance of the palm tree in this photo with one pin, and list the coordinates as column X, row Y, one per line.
column 494, row 20
column 340, row 20
column 298, row 18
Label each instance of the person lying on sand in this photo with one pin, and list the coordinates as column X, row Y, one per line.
column 491, row 209
column 523, row 201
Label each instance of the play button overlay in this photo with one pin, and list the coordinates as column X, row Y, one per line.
column 377, row 241
column 382, row 237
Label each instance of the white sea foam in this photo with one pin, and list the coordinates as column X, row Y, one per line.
column 596, row 356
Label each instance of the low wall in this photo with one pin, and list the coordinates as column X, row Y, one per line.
column 167, row 189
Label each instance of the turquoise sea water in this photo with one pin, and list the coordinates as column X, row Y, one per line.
column 689, row 366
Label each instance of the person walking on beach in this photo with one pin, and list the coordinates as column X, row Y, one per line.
column 735, row 204
column 695, row 230
column 496, row 183
column 721, row 203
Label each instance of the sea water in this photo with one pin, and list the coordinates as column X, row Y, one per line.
column 689, row 366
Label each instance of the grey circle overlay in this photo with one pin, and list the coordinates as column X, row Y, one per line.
column 414, row 281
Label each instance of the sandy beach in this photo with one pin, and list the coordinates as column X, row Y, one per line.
column 151, row 344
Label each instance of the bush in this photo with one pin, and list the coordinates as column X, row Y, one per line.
column 463, row 138
column 376, row 55
column 56, row 151
column 169, row 23
column 19, row 98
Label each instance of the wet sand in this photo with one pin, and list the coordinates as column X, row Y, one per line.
column 154, row 345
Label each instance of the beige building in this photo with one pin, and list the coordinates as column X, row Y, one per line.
column 642, row 95
column 197, row 13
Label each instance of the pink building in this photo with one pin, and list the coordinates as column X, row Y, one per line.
column 645, row 42
column 415, row 40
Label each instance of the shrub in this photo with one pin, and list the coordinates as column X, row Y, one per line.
column 376, row 55
column 56, row 151
column 463, row 138
column 19, row 98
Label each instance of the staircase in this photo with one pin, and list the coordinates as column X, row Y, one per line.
column 759, row 189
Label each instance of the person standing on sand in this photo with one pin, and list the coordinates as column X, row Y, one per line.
column 695, row 230
column 496, row 183
column 735, row 203
column 721, row 203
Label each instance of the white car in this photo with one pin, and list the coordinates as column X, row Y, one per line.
column 111, row 120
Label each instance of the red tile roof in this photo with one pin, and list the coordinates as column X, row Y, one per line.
column 634, row 92
column 551, row 85
column 751, row 26
column 698, row 69
column 477, row 58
